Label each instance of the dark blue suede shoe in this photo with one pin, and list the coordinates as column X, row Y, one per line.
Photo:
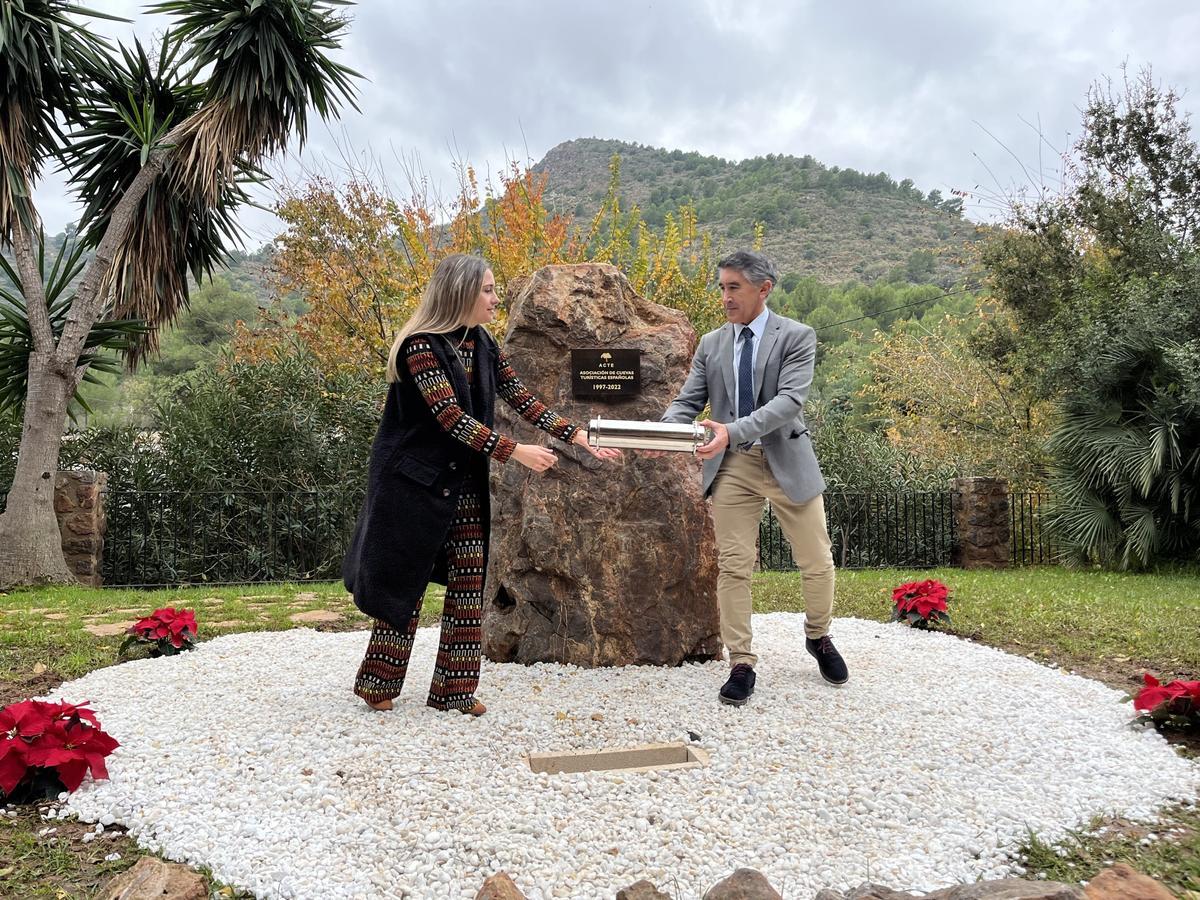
column 739, row 687
column 829, row 661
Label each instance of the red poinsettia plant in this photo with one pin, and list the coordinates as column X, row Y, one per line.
column 1176, row 703
column 46, row 748
column 921, row 603
column 168, row 631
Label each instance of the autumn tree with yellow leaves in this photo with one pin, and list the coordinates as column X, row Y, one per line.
column 673, row 267
column 358, row 258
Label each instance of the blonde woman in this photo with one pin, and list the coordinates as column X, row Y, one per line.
column 426, row 513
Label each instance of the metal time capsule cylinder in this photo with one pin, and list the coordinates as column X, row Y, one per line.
column 632, row 435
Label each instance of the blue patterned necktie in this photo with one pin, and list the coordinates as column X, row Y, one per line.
column 746, row 374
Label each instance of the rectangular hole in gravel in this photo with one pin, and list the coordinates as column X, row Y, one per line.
column 646, row 758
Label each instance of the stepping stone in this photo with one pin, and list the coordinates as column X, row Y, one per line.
column 1123, row 882
column 57, row 617
column 153, row 878
column 225, row 624
column 316, row 615
column 306, row 597
column 107, row 630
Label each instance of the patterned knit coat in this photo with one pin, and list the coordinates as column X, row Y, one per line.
column 415, row 476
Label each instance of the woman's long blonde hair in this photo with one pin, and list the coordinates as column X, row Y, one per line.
column 448, row 298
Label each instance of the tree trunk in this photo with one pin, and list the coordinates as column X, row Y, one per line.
column 30, row 540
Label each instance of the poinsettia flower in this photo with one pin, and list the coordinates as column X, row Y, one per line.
column 65, row 737
column 923, row 604
column 928, row 605
column 918, row 601
column 1180, row 696
column 12, row 764
column 144, row 627
column 90, row 745
column 68, row 711
column 169, row 625
column 25, row 720
column 1185, row 696
column 50, row 750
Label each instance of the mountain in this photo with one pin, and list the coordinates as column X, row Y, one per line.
column 830, row 223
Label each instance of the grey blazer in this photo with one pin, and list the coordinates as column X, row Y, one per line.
column 783, row 372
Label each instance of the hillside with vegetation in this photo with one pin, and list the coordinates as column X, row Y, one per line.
column 827, row 222
column 856, row 253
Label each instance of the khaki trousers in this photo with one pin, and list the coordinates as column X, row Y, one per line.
column 742, row 485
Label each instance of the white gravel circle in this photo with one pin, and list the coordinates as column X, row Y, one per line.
column 250, row 755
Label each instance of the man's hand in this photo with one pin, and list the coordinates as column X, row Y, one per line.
column 719, row 442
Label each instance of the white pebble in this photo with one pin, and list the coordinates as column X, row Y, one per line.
column 805, row 783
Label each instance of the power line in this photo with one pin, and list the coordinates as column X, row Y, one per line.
column 897, row 308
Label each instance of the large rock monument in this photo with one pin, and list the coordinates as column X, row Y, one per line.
column 598, row 564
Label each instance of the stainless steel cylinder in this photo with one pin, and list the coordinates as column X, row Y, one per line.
column 631, row 435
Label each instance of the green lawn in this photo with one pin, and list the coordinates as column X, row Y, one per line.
column 1109, row 626
column 48, row 626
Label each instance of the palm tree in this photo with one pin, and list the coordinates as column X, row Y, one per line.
column 158, row 148
column 1126, row 475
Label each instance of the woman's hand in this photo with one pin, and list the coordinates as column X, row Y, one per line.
column 534, row 457
column 604, row 453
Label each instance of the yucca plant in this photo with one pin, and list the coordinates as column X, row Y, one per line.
column 1126, row 476
column 42, row 55
column 132, row 105
column 157, row 149
column 104, row 341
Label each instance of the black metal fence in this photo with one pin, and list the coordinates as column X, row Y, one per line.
column 909, row 529
column 1031, row 540
column 158, row 538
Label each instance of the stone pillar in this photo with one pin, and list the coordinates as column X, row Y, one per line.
column 79, row 503
column 598, row 564
column 982, row 523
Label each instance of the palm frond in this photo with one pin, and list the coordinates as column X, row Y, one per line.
column 1141, row 537
column 136, row 101
column 131, row 105
column 16, row 340
column 173, row 235
column 263, row 66
column 44, row 53
column 1126, row 475
column 268, row 64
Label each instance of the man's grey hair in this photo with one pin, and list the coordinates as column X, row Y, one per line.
column 754, row 266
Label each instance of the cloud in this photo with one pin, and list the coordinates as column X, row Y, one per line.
column 911, row 89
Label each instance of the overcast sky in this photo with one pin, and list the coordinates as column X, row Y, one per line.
column 913, row 89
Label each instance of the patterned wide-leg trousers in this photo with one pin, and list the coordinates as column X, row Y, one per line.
column 456, row 671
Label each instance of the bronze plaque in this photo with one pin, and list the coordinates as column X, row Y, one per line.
column 606, row 374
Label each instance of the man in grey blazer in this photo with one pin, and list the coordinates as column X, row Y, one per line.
column 754, row 373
